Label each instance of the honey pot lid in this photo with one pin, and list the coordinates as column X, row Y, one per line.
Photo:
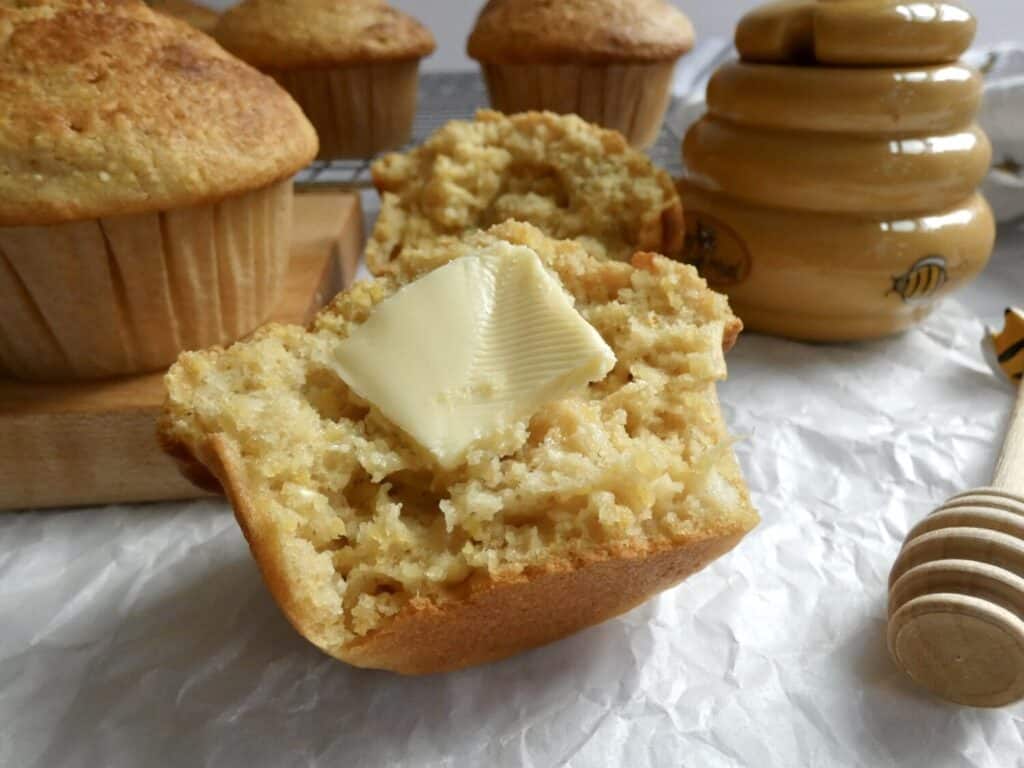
column 855, row 32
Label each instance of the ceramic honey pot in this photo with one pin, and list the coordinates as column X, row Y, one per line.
column 956, row 590
column 831, row 188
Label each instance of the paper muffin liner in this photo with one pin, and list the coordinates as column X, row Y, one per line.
column 630, row 98
column 357, row 110
column 126, row 294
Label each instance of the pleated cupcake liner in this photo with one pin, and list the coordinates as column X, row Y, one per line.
column 357, row 110
column 126, row 294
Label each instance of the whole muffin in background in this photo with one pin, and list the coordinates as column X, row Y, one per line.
column 608, row 61
column 352, row 65
column 199, row 16
column 145, row 189
column 571, row 179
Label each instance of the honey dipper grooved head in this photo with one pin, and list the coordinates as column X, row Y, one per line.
column 956, row 600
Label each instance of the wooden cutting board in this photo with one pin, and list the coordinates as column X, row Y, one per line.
column 95, row 443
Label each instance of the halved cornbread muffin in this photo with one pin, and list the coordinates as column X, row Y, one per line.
column 384, row 557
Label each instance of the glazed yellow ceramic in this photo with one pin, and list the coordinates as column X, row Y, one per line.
column 839, row 202
column 859, row 32
column 835, row 171
column 926, row 99
column 832, row 277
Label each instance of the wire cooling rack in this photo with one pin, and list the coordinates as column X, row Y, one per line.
column 448, row 96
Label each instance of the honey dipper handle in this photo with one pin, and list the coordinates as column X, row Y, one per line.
column 1009, row 474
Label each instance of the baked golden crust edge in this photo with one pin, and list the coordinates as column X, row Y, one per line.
column 495, row 618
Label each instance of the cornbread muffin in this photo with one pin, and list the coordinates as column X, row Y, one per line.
column 383, row 559
column 199, row 16
column 608, row 61
column 351, row 64
column 559, row 173
column 145, row 192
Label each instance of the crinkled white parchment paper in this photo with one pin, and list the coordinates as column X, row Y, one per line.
column 143, row 636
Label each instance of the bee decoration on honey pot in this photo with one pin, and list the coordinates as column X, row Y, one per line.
column 702, row 242
column 923, row 280
column 716, row 250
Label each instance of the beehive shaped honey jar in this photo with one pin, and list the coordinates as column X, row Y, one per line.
column 831, row 188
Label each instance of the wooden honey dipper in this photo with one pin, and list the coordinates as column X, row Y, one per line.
column 956, row 590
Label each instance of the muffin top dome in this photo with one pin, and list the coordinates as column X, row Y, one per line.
column 519, row 31
column 286, row 34
column 111, row 108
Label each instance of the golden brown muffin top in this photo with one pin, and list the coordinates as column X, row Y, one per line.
column 555, row 31
column 199, row 16
column 287, row 34
column 111, row 108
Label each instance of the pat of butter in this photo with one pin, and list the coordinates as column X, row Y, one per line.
column 482, row 342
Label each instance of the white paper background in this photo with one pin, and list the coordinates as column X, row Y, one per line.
column 144, row 636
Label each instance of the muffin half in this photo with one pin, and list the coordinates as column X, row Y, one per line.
column 573, row 513
column 608, row 61
column 567, row 177
column 145, row 190
column 352, row 65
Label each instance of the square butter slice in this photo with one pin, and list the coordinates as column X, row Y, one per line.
column 484, row 341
